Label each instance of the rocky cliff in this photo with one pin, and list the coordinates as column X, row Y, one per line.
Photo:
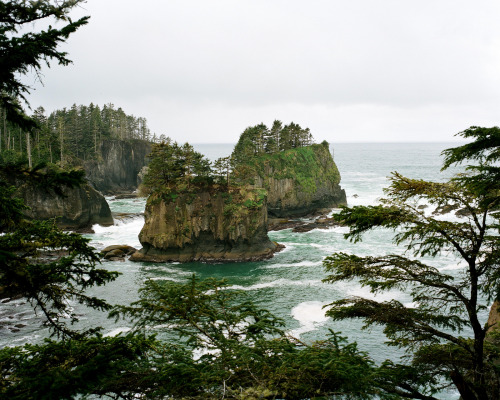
column 119, row 165
column 78, row 209
column 205, row 226
column 299, row 181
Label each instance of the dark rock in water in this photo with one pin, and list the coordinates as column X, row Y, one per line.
column 126, row 216
column 302, row 226
column 119, row 165
column 117, row 252
column 279, row 224
column 126, row 196
column 78, row 209
column 320, row 223
column 463, row 212
column 209, row 227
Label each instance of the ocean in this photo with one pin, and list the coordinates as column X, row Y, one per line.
column 290, row 284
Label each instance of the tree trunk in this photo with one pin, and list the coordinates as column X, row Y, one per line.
column 28, row 149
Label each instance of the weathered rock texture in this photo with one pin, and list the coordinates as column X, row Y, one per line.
column 299, row 181
column 78, row 208
column 119, row 166
column 494, row 317
column 205, row 226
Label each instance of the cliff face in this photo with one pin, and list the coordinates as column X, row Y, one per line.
column 299, row 181
column 494, row 317
column 220, row 226
column 119, row 166
column 78, row 208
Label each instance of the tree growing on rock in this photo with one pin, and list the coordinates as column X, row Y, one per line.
column 175, row 168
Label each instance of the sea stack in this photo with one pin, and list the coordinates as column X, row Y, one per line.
column 208, row 226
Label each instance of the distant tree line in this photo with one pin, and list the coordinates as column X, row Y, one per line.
column 260, row 139
column 69, row 135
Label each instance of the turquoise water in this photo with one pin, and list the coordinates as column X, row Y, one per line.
column 290, row 284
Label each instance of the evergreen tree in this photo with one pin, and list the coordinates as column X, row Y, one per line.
column 244, row 352
column 26, row 52
column 175, row 168
column 444, row 304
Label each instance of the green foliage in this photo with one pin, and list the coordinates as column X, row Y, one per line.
column 443, row 305
column 69, row 137
column 27, row 52
column 243, row 351
column 51, row 282
column 482, row 156
column 72, row 368
column 259, row 139
column 176, row 169
column 303, row 164
column 485, row 148
column 11, row 209
column 53, row 269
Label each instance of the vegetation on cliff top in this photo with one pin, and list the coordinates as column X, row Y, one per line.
column 69, row 137
column 305, row 165
column 65, row 136
column 259, row 139
column 282, row 152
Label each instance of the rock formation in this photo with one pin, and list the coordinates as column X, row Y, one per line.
column 79, row 207
column 206, row 226
column 494, row 317
column 299, row 181
column 119, row 165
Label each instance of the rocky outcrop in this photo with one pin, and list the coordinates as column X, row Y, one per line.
column 119, row 165
column 205, row 226
column 117, row 252
column 494, row 317
column 77, row 209
column 300, row 181
column 301, row 225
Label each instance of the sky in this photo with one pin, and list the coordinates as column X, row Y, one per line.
column 350, row 70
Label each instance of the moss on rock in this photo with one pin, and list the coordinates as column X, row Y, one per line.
column 298, row 181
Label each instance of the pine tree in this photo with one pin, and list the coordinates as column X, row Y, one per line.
column 443, row 305
column 22, row 53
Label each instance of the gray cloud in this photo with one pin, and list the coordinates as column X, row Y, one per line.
column 358, row 70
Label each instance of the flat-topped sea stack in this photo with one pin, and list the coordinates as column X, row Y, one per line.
column 196, row 214
column 206, row 226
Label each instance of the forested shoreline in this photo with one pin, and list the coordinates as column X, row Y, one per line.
column 70, row 135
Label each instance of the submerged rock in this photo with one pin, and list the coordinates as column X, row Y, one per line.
column 206, row 226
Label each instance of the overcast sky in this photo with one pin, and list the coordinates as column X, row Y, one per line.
column 350, row 70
